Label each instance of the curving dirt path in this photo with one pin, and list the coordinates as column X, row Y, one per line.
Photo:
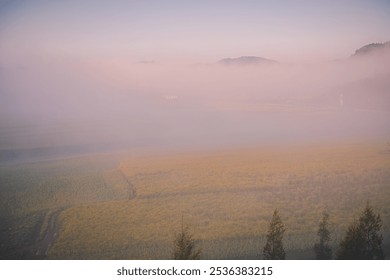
column 43, row 246
column 116, row 181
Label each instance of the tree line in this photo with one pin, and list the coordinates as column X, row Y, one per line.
column 362, row 240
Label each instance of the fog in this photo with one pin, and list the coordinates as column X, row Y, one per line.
column 66, row 105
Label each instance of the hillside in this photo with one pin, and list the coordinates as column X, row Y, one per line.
column 246, row 60
column 371, row 48
column 368, row 87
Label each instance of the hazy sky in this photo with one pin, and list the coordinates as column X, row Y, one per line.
column 196, row 31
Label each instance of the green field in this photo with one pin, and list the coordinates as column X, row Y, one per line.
column 130, row 206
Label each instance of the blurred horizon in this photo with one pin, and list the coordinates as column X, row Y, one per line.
column 191, row 32
column 122, row 74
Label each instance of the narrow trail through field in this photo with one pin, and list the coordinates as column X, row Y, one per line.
column 119, row 184
column 251, row 191
column 132, row 192
column 43, row 246
column 116, row 180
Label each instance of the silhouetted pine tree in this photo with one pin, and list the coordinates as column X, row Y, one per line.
column 322, row 248
column 273, row 249
column 184, row 246
column 363, row 240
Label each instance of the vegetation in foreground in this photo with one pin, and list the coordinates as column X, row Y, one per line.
column 184, row 245
column 322, row 248
column 363, row 240
column 273, row 249
column 129, row 208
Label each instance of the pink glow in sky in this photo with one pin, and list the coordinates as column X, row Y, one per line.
column 128, row 73
column 193, row 31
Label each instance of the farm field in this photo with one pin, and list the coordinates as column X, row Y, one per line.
column 32, row 193
column 130, row 206
column 130, row 127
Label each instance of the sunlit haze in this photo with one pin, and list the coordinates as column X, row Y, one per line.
column 125, row 73
column 178, row 129
column 196, row 31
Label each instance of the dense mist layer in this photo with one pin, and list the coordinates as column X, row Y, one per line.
column 90, row 105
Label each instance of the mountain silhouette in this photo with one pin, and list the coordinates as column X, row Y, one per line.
column 246, row 60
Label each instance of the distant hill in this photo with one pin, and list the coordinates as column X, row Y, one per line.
column 370, row 48
column 366, row 93
column 246, row 60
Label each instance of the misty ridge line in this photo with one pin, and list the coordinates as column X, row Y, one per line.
column 256, row 60
column 370, row 48
column 92, row 105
